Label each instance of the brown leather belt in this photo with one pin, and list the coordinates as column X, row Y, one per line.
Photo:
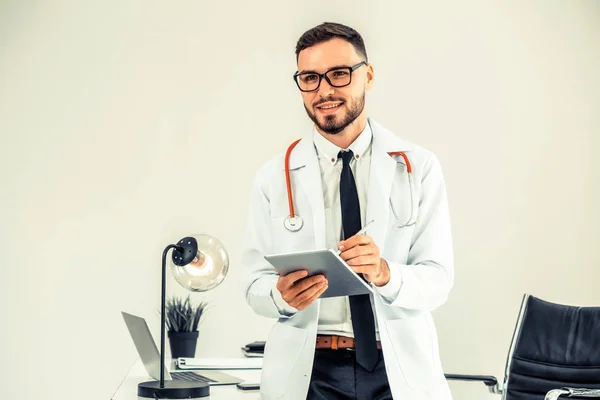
column 335, row 342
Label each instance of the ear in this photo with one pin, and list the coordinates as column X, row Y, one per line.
column 370, row 77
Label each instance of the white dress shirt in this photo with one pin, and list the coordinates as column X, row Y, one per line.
column 334, row 315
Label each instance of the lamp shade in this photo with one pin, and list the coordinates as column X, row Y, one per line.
column 200, row 263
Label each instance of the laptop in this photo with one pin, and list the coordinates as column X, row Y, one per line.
column 142, row 338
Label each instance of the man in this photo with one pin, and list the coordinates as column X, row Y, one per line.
column 344, row 173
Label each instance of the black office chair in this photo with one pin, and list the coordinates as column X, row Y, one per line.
column 554, row 353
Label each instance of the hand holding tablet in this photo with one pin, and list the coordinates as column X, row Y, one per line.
column 314, row 267
column 299, row 290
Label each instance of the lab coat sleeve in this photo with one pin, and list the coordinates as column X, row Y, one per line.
column 260, row 278
column 282, row 306
column 391, row 289
column 424, row 282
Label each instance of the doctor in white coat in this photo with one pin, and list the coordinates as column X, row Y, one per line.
column 406, row 254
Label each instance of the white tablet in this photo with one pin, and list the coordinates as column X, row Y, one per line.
column 342, row 280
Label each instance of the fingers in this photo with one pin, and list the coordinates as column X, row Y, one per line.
column 305, row 290
column 287, row 281
column 360, row 251
column 312, row 298
column 363, row 260
column 365, row 269
column 355, row 241
column 361, row 255
column 306, row 284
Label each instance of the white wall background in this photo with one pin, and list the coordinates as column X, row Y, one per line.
column 109, row 109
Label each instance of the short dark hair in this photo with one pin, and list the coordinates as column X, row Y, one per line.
column 330, row 30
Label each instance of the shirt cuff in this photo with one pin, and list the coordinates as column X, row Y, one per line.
column 283, row 307
column 391, row 289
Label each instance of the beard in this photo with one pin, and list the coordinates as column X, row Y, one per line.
column 332, row 125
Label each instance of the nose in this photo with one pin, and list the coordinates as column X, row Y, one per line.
column 325, row 89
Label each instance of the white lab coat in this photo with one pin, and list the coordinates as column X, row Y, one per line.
column 421, row 253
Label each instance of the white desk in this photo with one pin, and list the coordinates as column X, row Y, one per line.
column 128, row 389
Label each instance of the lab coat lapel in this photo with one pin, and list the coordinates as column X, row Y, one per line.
column 381, row 180
column 308, row 176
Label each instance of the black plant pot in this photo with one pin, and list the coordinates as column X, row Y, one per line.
column 183, row 344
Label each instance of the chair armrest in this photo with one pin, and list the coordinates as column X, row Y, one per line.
column 570, row 392
column 490, row 381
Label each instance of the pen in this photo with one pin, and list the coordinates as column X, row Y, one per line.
column 363, row 230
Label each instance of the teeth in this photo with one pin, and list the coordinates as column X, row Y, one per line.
column 332, row 106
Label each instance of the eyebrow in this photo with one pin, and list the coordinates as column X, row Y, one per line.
column 304, row 71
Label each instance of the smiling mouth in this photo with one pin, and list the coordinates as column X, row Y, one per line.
column 329, row 106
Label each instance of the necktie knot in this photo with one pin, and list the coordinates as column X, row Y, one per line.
column 346, row 156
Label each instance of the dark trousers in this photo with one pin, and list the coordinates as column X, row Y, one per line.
column 336, row 375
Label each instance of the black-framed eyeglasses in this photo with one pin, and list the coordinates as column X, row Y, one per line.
column 336, row 77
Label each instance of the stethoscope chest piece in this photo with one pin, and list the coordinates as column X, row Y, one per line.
column 293, row 224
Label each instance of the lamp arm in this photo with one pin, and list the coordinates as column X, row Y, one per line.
column 163, row 312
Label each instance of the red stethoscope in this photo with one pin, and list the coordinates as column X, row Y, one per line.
column 294, row 222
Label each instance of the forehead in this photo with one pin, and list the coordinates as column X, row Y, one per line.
column 323, row 56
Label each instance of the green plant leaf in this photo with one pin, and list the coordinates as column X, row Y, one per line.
column 182, row 315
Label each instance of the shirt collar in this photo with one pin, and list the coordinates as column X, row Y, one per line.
column 329, row 151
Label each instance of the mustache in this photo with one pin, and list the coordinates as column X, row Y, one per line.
column 323, row 101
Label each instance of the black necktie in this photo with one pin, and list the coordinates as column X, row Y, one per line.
column 363, row 321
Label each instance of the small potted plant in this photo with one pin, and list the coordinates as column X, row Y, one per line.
column 182, row 319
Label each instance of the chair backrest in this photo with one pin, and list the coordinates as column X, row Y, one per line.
column 553, row 346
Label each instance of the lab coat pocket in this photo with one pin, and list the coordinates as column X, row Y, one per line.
column 404, row 198
column 414, row 350
column 282, row 351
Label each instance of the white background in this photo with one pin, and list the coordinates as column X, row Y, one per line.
column 126, row 125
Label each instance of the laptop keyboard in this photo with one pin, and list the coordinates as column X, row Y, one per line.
column 190, row 376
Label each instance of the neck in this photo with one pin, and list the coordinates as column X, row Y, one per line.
column 346, row 137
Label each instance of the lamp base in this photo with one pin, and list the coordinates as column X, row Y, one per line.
column 173, row 390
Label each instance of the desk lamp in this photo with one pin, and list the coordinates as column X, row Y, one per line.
column 198, row 263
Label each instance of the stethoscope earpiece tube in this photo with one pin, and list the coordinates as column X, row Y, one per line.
column 292, row 222
column 401, row 153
